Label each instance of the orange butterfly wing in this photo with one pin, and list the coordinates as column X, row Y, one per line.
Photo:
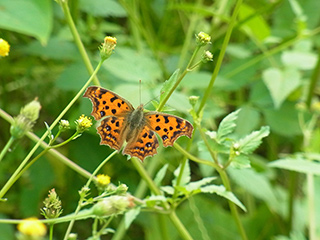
column 169, row 127
column 106, row 103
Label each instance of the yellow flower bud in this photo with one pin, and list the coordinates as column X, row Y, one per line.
column 107, row 47
column 4, row 48
column 32, row 227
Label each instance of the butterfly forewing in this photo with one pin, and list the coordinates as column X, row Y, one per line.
column 106, row 103
column 169, row 127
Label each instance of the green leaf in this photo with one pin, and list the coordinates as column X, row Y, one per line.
column 299, row 60
column 185, row 178
column 197, row 184
column 256, row 26
column 252, row 141
column 227, row 126
column 129, row 65
column 221, row 191
column 241, row 161
column 168, row 85
column 256, row 184
column 281, row 83
column 102, row 8
column 30, row 17
column 297, row 165
column 167, row 189
column 160, row 175
column 130, row 215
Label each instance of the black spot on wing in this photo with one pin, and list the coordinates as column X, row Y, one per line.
column 113, row 99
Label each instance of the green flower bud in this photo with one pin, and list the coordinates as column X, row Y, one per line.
column 207, row 56
column 106, row 50
column 193, row 100
column 112, row 205
column 52, row 205
column 26, row 119
column 64, row 125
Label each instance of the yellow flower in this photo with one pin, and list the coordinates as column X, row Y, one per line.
column 83, row 123
column 103, row 180
column 32, row 227
column 4, row 48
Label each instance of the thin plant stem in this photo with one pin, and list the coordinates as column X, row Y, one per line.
column 311, row 207
column 6, row 147
column 78, row 42
column 313, row 81
column 221, row 55
column 54, row 153
column 25, row 161
column 184, row 234
column 86, row 186
column 163, row 102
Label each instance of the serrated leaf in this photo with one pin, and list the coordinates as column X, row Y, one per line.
column 197, row 184
column 297, row 165
column 241, row 161
column 252, row 141
column 168, row 85
column 221, row 191
column 167, row 189
column 130, row 215
column 185, row 178
column 160, row 175
column 227, row 125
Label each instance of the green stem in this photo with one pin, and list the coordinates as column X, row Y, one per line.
column 163, row 102
column 232, row 206
column 275, row 50
column 82, row 198
column 179, row 226
column 51, row 231
column 311, row 207
column 25, row 161
column 221, row 55
column 143, row 173
column 6, row 147
column 313, row 81
column 54, row 153
column 173, row 217
column 78, row 42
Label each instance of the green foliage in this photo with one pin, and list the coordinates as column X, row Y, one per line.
column 251, row 169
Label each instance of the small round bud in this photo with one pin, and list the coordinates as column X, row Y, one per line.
column 207, row 56
column 203, row 39
column 64, row 125
column 102, row 181
column 193, row 100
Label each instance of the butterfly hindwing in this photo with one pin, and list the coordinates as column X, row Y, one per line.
column 111, row 131
column 106, row 103
column 169, row 127
column 145, row 144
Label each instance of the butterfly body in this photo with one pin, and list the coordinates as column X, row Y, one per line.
column 121, row 122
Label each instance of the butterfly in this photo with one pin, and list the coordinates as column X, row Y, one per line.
column 122, row 122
